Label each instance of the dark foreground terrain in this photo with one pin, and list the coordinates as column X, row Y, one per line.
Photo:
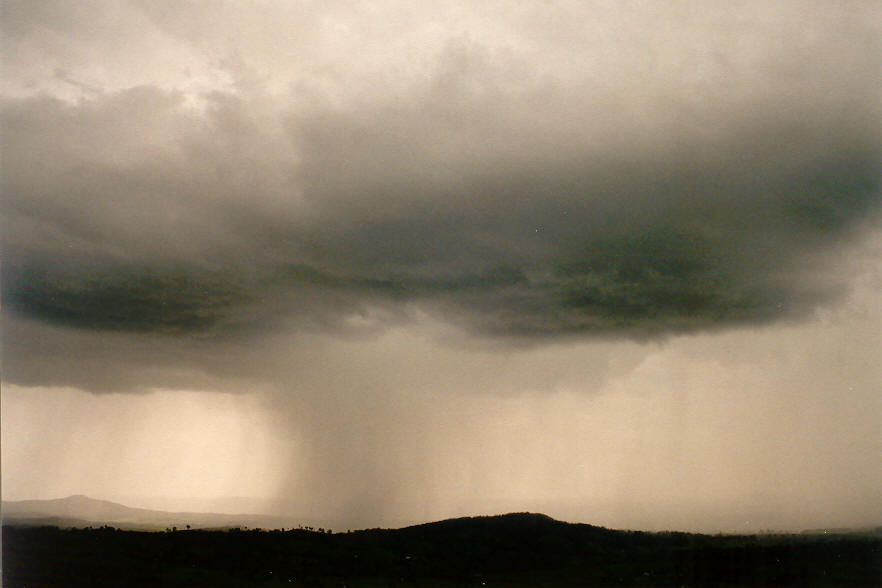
column 508, row 550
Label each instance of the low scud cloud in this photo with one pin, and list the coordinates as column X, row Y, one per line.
column 353, row 207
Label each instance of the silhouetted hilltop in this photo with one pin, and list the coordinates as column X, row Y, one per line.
column 517, row 521
column 519, row 549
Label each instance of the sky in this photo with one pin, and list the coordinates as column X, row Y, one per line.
column 389, row 262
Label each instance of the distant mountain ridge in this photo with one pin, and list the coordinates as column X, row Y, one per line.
column 81, row 511
column 76, row 506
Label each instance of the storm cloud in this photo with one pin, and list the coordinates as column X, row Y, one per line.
column 507, row 194
column 618, row 262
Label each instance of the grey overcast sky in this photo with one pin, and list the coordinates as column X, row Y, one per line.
column 383, row 262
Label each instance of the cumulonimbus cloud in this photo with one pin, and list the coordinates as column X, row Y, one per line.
column 509, row 202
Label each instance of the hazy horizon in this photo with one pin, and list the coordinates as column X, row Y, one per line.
column 618, row 263
column 241, row 506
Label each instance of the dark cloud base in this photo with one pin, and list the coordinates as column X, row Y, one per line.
column 149, row 300
column 459, row 193
column 687, row 264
